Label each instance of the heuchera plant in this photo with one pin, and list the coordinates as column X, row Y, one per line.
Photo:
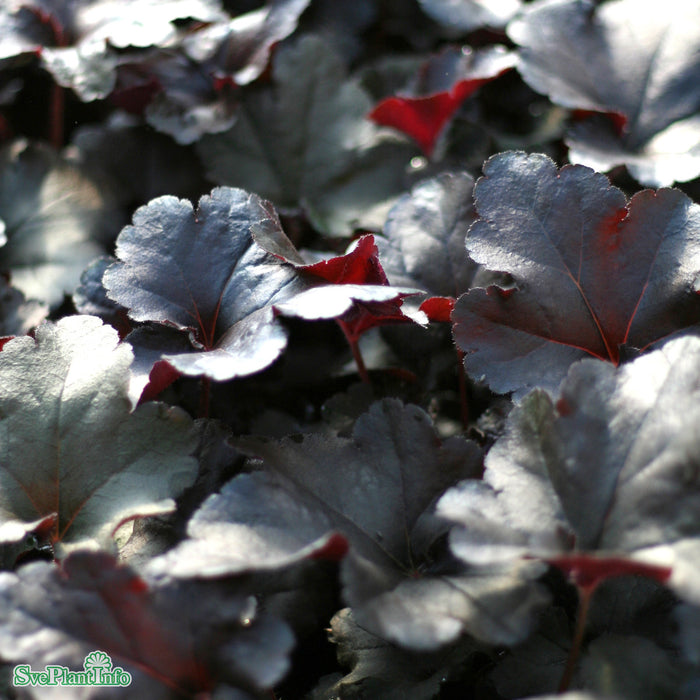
column 350, row 350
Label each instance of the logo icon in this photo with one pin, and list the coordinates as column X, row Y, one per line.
column 98, row 670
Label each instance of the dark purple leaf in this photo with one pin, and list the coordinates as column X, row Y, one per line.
column 150, row 374
column 110, row 152
column 344, row 177
column 54, row 217
column 21, row 33
column 624, row 658
column 121, row 23
column 218, row 462
column 638, row 606
column 239, row 50
column 253, row 524
column 202, row 272
column 375, row 491
column 468, row 15
column 672, row 155
column 423, row 241
column 342, row 410
column 78, row 51
column 437, row 91
column 389, row 443
column 176, row 641
column 536, row 665
column 381, row 670
column 633, row 666
column 90, row 297
column 17, row 314
column 640, row 61
column 88, row 69
column 592, row 271
column 597, row 483
column 96, row 463
column 177, row 96
column 566, row 284
column 139, row 541
column 496, row 605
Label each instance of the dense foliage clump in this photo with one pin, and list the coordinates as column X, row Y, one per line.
column 350, row 350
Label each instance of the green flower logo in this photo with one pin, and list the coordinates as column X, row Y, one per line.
column 97, row 659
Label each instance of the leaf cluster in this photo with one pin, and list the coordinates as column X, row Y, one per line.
column 350, row 350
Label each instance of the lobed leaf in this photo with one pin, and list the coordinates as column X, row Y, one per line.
column 607, row 475
column 202, row 272
column 176, row 95
column 76, row 40
column 373, row 493
column 384, row 670
column 641, row 62
column 394, row 450
column 423, row 242
column 334, row 164
column 55, row 219
column 239, row 49
column 173, row 641
column 70, row 444
column 572, row 244
column 359, row 296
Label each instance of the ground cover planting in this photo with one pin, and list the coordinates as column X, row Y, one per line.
column 350, row 350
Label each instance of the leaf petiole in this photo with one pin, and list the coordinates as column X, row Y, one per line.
column 356, row 353
column 585, row 593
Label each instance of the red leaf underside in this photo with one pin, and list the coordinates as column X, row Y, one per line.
column 438, row 308
column 360, row 266
column 366, row 315
column 617, row 119
column 161, row 376
column 423, row 118
column 334, row 549
column 587, row 572
column 133, row 97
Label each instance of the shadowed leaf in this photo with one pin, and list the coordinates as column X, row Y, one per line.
column 637, row 60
